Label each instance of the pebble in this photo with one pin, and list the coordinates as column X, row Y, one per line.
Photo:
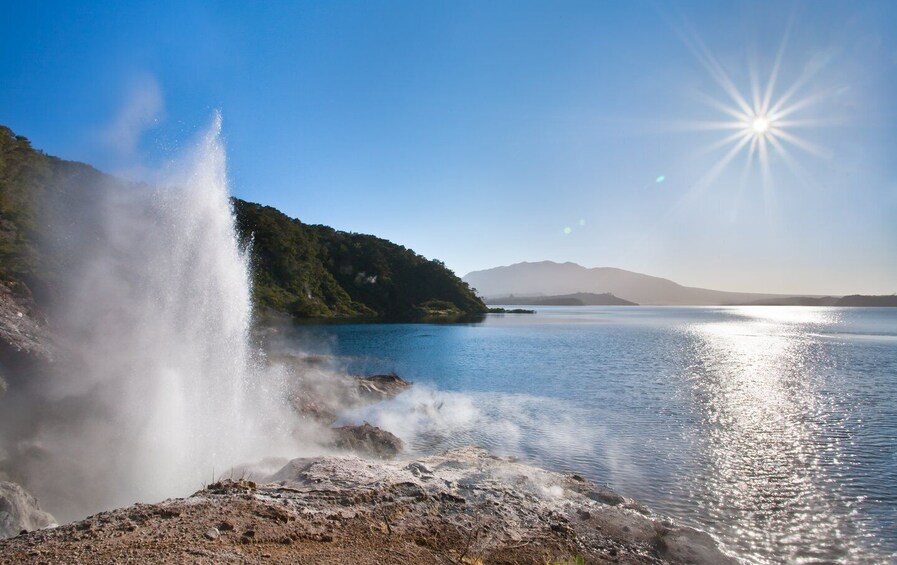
column 212, row 533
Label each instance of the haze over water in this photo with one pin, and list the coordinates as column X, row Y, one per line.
column 773, row 428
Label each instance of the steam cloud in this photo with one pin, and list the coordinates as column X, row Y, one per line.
column 157, row 385
column 143, row 107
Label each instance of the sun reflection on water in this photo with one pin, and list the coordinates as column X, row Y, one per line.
column 772, row 428
column 769, row 462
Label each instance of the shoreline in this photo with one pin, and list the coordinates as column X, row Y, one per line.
column 373, row 503
column 462, row 506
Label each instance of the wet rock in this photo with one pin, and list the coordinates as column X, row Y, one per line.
column 368, row 440
column 319, row 394
column 314, row 408
column 19, row 511
column 687, row 545
column 606, row 496
column 23, row 330
column 419, row 470
column 291, row 471
column 380, row 387
column 26, row 349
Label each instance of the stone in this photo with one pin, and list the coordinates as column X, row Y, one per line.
column 19, row 511
column 606, row 496
column 226, row 526
column 368, row 440
column 380, row 387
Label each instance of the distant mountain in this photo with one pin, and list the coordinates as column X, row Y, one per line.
column 533, row 283
column 547, row 278
column 577, row 299
column 889, row 300
column 886, row 300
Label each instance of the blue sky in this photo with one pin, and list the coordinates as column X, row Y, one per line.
column 487, row 133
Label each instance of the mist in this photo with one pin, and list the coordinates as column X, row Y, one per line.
column 163, row 382
column 156, row 386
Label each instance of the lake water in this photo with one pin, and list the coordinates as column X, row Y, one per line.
column 773, row 428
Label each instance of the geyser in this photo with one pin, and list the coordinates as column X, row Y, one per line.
column 158, row 387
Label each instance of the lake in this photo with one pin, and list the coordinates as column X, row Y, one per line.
column 773, row 428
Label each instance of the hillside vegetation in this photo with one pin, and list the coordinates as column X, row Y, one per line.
column 27, row 178
column 316, row 271
column 305, row 271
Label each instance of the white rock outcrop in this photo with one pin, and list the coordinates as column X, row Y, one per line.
column 20, row 511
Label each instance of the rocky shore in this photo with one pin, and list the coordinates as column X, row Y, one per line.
column 463, row 506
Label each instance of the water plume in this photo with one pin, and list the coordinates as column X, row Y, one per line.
column 158, row 386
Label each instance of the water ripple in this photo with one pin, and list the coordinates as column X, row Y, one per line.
column 773, row 428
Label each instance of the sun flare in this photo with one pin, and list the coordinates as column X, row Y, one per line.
column 760, row 125
column 762, row 119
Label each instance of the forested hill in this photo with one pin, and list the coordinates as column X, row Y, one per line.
column 302, row 270
column 316, row 271
column 29, row 179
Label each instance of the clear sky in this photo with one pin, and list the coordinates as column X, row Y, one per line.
column 487, row 133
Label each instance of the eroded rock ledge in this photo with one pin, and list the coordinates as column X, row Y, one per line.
column 22, row 328
column 19, row 511
column 464, row 506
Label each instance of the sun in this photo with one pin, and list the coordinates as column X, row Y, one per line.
column 762, row 119
column 759, row 125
